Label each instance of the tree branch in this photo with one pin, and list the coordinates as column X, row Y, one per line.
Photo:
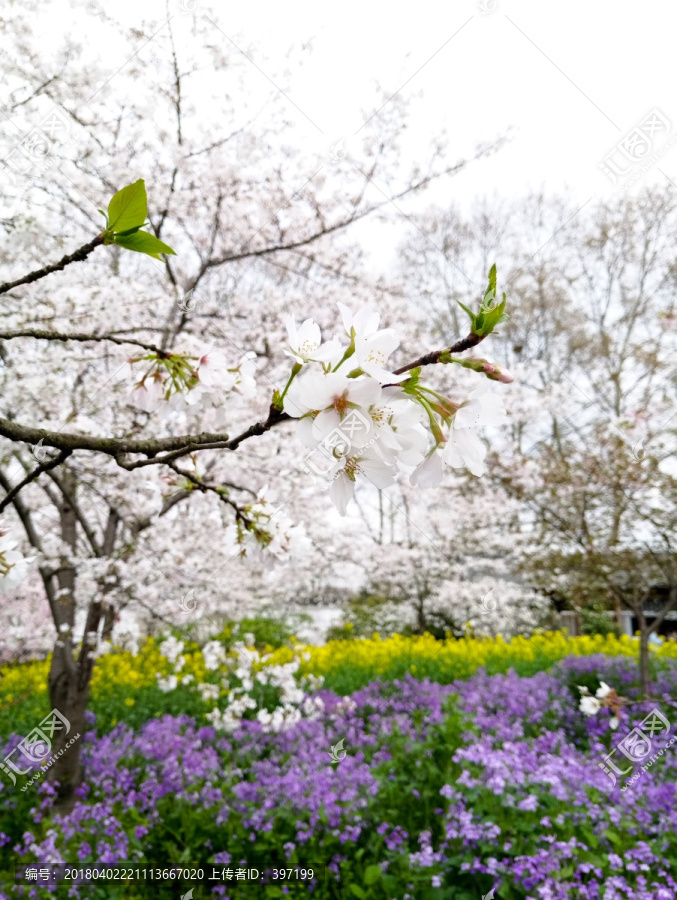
column 81, row 254
column 33, row 539
column 203, row 486
column 114, row 446
column 70, row 499
column 42, row 334
column 430, row 359
column 43, row 467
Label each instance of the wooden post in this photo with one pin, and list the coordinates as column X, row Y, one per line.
column 570, row 621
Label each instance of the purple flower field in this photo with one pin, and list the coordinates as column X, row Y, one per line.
column 444, row 791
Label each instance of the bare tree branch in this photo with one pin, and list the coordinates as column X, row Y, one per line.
column 42, row 334
column 43, row 467
column 81, row 254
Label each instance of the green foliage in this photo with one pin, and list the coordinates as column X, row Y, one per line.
column 595, row 619
column 267, row 631
column 490, row 313
column 142, row 242
column 127, row 212
column 22, row 713
column 149, row 703
column 128, row 208
column 366, row 614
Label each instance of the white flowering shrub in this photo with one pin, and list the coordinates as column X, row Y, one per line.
column 244, row 688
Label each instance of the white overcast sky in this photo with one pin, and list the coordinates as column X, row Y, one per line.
column 567, row 81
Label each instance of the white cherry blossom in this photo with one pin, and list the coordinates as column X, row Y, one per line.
column 371, row 355
column 428, row 474
column 305, row 343
column 464, row 449
column 370, row 465
column 400, row 436
column 339, row 402
column 481, row 408
column 13, row 565
column 149, row 395
column 364, row 322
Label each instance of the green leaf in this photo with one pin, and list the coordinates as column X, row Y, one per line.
column 465, row 309
column 372, row 874
column 128, row 208
column 614, row 838
column 492, row 278
column 277, row 402
column 590, row 837
column 410, row 386
column 129, row 231
column 357, row 890
column 142, row 242
column 490, row 293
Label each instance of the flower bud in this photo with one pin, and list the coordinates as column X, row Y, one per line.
column 491, row 370
column 499, row 374
column 494, row 372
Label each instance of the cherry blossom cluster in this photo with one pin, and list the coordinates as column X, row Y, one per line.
column 179, row 382
column 13, row 565
column 261, row 526
column 358, row 417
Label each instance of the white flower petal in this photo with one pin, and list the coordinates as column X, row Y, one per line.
column 341, row 492
column 428, row 474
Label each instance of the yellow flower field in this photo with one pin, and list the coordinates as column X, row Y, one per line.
column 344, row 661
column 461, row 657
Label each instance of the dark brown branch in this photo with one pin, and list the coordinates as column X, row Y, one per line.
column 205, row 487
column 70, row 499
column 81, row 254
column 176, row 447
column 274, row 418
column 112, row 446
column 33, row 539
column 42, row 334
column 43, row 467
column 110, row 533
column 430, row 359
column 173, row 448
column 140, row 525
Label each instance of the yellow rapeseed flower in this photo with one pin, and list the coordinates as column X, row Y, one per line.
column 123, row 672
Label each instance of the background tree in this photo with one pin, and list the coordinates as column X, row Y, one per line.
column 590, row 455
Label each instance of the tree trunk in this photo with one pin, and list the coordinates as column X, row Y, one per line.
column 644, row 668
column 69, row 679
column 617, row 611
column 421, row 623
column 108, row 623
column 69, row 683
column 70, row 699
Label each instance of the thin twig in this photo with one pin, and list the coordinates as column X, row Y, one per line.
column 43, row 467
column 81, row 254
